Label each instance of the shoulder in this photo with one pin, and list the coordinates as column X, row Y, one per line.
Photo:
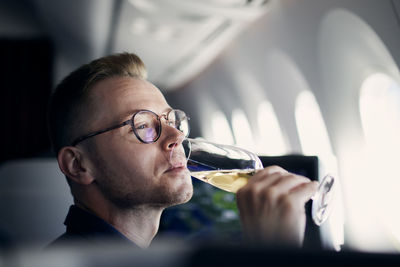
column 66, row 239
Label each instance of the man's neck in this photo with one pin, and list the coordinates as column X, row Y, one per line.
column 139, row 224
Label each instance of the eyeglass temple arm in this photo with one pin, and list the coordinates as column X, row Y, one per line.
column 80, row 139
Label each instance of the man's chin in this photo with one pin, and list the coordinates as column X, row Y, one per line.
column 186, row 194
column 183, row 195
column 178, row 188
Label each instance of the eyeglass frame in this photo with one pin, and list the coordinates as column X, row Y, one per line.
column 130, row 122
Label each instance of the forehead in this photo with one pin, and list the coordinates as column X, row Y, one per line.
column 120, row 96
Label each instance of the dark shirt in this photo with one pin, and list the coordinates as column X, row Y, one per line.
column 85, row 227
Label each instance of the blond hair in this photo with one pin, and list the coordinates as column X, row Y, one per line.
column 67, row 103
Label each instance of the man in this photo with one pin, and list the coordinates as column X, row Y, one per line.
column 113, row 133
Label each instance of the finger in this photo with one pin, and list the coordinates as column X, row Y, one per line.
column 261, row 180
column 269, row 194
column 273, row 169
column 288, row 182
column 303, row 192
column 269, row 171
column 261, row 192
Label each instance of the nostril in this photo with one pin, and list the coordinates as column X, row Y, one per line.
column 172, row 145
column 174, row 142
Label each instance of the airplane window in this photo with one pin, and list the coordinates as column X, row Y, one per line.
column 311, row 127
column 242, row 130
column 314, row 140
column 380, row 112
column 367, row 137
column 220, row 129
column 271, row 137
column 380, row 118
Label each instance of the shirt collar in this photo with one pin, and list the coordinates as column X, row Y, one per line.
column 90, row 226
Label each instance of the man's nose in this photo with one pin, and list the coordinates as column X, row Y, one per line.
column 171, row 137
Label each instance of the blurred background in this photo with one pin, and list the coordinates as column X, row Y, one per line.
column 311, row 85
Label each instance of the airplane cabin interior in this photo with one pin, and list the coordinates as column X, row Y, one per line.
column 312, row 86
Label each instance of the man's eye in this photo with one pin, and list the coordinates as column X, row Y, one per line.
column 141, row 126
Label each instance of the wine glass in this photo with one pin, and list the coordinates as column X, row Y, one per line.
column 229, row 168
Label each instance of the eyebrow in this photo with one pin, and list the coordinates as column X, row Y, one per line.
column 127, row 115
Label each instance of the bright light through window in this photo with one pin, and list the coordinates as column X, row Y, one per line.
column 315, row 141
column 380, row 117
column 242, row 130
column 311, row 127
column 271, row 137
column 380, row 113
column 220, row 129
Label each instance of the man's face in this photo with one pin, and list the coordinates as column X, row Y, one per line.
column 129, row 172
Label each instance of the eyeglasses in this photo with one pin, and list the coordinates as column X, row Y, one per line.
column 146, row 125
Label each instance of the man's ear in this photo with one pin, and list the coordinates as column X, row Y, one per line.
column 70, row 160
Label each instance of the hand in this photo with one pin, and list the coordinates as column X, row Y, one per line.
column 271, row 207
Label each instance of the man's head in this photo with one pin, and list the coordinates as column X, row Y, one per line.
column 115, row 165
column 69, row 104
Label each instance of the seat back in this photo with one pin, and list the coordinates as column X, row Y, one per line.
column 34, row 200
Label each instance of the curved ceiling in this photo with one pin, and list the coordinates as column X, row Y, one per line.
column 176, row 39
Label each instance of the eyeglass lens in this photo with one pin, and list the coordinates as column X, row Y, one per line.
column 147, row 125
column 181, row 121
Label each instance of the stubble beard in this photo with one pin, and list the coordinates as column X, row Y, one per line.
column 119, row 191
column 159, row 198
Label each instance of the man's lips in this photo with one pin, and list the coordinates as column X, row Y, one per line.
column 176, row 159
column 177, row 166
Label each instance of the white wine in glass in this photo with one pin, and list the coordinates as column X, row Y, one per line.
column 229, row 168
